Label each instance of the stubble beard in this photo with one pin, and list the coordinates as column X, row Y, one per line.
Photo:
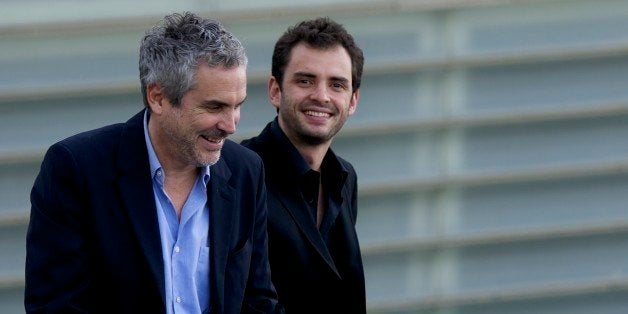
column 187, row 147
column 300, row 130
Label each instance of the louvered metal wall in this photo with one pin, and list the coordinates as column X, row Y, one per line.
column 491, row 140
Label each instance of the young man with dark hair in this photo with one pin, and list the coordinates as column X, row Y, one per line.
column 312, row 193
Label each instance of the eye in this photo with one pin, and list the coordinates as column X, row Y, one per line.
column 213, row 108
column 304, row 82
column 338, row 86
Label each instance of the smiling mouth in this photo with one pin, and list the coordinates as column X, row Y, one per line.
column 317, row 114
column 213, row 140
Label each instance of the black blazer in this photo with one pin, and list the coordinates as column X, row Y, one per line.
column 314, row 272
column 93, row 241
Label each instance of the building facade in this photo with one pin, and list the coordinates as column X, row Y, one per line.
column 491, row 139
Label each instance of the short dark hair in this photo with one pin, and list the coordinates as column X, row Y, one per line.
column 321, row 33
column 171, row 51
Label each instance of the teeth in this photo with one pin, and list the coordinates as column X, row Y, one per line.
column 316, row 113
column 211, row 140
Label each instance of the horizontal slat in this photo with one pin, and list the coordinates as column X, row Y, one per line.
column 22, row 156
column 561, row 172
column 553, row 230
column 63, row 92
column 545, row 114
column 531, row 293
column 499, row 59
column 11, row 282
column 494, row 238
column 14, row 218
column 133, row 17
column 381, row 187
column 438, row 123
column 491, row 118
column 258, row 76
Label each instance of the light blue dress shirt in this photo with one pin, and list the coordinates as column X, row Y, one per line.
column 184, row 242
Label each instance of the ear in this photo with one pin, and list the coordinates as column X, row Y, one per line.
column 353, row 103
column 274, row 92
column 155, row 97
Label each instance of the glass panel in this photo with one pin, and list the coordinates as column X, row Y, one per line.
column 398, row 98
column 16, row 182
column 13, row 255
column 608, row 302
column 538, row 264
column 525, row 206
column 12, row 300
column 527, row 146
column 256, row 112
column 550, row 25
column 530, row 86
column 35, row 125
column 396, row 216
column 397, row 276
column 391, row 157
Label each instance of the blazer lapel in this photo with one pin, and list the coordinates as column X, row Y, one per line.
column 136, row 190
column 329, row 218
column 292, row 203
column 220, row 196
column 275, row 159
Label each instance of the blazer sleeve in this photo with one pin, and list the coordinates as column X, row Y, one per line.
column 260, row 295
column 56, row 267
column 352, row 189
column 354, row 200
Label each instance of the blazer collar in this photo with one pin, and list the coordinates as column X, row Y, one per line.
column 288, row 165
column 220, row 196
column 136, row 189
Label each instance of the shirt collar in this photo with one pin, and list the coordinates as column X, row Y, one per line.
column 334, row 172
column 156, row 171
column 294, row 158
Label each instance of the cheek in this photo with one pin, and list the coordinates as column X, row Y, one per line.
column 293, row 97
column 203, row 121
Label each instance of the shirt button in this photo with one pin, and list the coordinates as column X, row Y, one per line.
column 178, row 299
column 159, row 173
column 177, row 249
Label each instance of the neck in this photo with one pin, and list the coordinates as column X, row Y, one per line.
column 313, row 154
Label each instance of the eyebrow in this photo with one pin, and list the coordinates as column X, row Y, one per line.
column 303, row 74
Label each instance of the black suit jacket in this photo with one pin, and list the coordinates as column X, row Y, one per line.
column 93, row 242
column 314, row 271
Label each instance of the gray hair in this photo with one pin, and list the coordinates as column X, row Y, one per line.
column 171, row 51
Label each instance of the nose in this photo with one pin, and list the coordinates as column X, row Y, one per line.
column 320, row 94
column 229, row 120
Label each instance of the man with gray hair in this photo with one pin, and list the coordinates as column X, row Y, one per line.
column 161, row 214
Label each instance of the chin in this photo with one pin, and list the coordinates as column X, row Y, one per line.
column 208, row 160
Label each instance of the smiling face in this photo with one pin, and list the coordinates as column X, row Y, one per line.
column 192, row 134
column 315, row 98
